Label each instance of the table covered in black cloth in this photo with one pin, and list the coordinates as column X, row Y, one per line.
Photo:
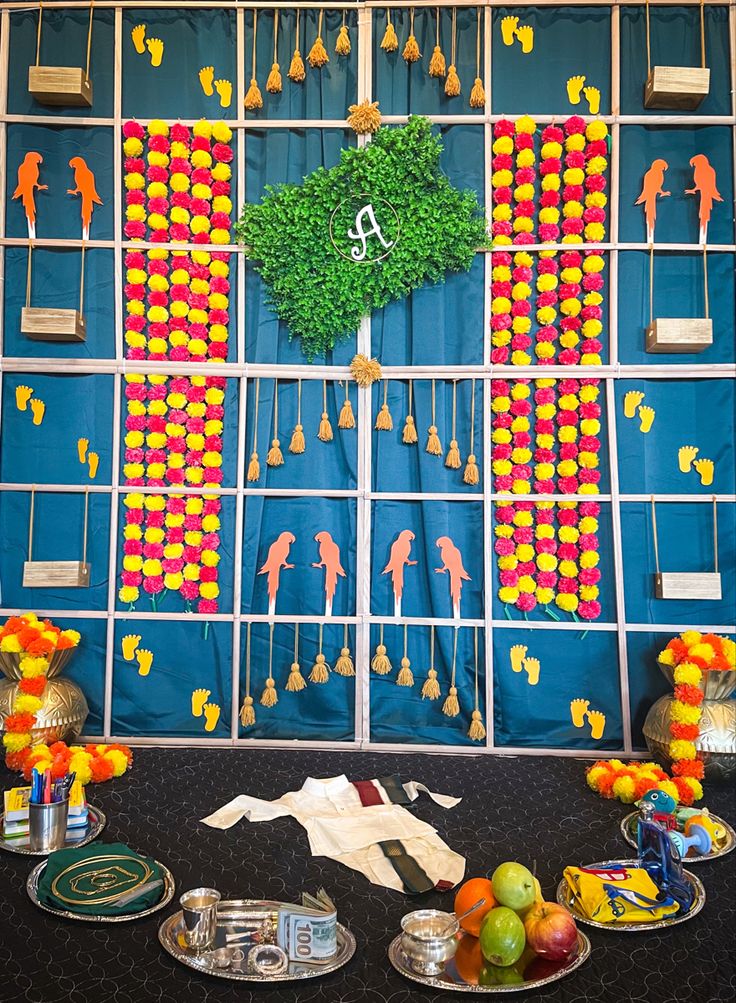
column 526, row 809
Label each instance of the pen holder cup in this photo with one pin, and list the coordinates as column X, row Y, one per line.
column 199, row 911
column 47, row 825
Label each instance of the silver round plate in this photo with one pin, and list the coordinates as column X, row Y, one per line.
column 96, row 822
column 565, row 897
column 170, row 934
column 450, row 978
column 32, row 888
column 628, row 831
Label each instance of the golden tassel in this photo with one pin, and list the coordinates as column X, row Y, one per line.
column 318, row 57
column 452, row 459
column 269, row 697
column 364, row 119
column 405, row 676
column 365, row 371
column 297, row 73
column 390, row 41
column 451, row 706
column 325, row 428
column 384, row 421
column 431, row 688
column 254, row 99
column 254, row 467
column 342, row 45
column 344, row 664
column 380, row 663
column 437, row 65
column 320, row 669
column 476, row 731
column 452, row 84
column 248, row 713
column 411, row 51
column 434, row 446
column 273, row 84
column 296, row 680
column 297, row 444
column 478, row 93
column 346, row 418
column 409, row 435
column 275, row 457
column 470, row 475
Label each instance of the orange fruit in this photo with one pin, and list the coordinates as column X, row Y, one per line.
column 467, row 895
column 468, row 959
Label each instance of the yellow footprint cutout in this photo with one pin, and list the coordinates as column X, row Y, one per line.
column 156, row 47
column 531, row 667
column 706, row 469
column 39, row 410
column 82, row 445
column 22, row 396
column 574, row 89
column 578, row 710
column 206, row 76
column 632, row 400
column 129, row 643
column 525, row 34
column 199, row 699
column 593, row 97
column 646, row 414
column 508, row 29
column 517, row 653
column 144, row 657
column 138, row 35
column 685, row 457
column 211, row 716
column 597, row 722
column 94, row 462
column 225, row 92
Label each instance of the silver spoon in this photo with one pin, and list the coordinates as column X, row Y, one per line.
column 457, row 919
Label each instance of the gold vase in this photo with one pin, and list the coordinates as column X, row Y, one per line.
column 64, row 709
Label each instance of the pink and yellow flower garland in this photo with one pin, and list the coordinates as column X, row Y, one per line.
column 172, row 542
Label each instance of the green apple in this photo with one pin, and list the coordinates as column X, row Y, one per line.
column 514, row 886
column 502, row 937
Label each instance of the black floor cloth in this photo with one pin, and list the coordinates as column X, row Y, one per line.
column 526, row 809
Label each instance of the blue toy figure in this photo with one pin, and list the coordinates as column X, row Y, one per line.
column 658, row 854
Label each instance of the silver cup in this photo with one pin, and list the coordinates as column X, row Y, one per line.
column 47, row 826
column 199, row 909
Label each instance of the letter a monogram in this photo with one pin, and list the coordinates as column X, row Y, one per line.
column 359, row 253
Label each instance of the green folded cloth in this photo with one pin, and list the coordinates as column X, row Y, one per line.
column 89, row 879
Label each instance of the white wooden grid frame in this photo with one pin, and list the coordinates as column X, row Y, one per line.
column 370, row 16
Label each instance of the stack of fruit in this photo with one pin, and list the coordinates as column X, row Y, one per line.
column 515, row 936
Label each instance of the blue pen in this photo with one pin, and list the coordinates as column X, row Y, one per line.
column 35, row 797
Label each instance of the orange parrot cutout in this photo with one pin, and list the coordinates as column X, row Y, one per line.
column 704, row 184
column 84, row 180
column 329, row 559
column 276, row 561
column 651, row 188
column 452, row 562
column 27, row 187
column 398, row 560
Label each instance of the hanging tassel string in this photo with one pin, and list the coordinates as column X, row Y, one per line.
column 320, row 670
column 346, row 418
column 325, row 428
column 409, row 435
column 254, row 98
column 342, row 46
column 297, row 444
column 437, row 67
column 478, row 94
column 452, row 459
column 318, row 56
column 471, row 475
column 451, row 706
column 274, row 83
column 275, row 457
column 431, row 688
column 344, row 665
column 411, row 51
column 476, row 731
column 390, row 41
column 452, row 84
column 89, row 39
column 380, row 663
column 384, row 421
column 247, row 713
column 434, row 446
column 269, row 697
column 296, row 681
column 254, row 467
column 297, row 73
column 405, row 676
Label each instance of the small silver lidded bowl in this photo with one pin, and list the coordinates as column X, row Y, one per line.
column 429, row 939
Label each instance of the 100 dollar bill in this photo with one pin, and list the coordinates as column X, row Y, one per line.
column 307, row 936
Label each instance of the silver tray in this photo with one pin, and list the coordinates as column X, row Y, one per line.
column 232, row 915
column 564, row 897
column 96, row 822
column 32, row 889
column 450, row 978
column 628, row 831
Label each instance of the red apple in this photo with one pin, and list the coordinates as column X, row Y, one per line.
column 550, row 930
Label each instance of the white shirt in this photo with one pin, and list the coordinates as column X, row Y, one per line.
column 340, row 827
